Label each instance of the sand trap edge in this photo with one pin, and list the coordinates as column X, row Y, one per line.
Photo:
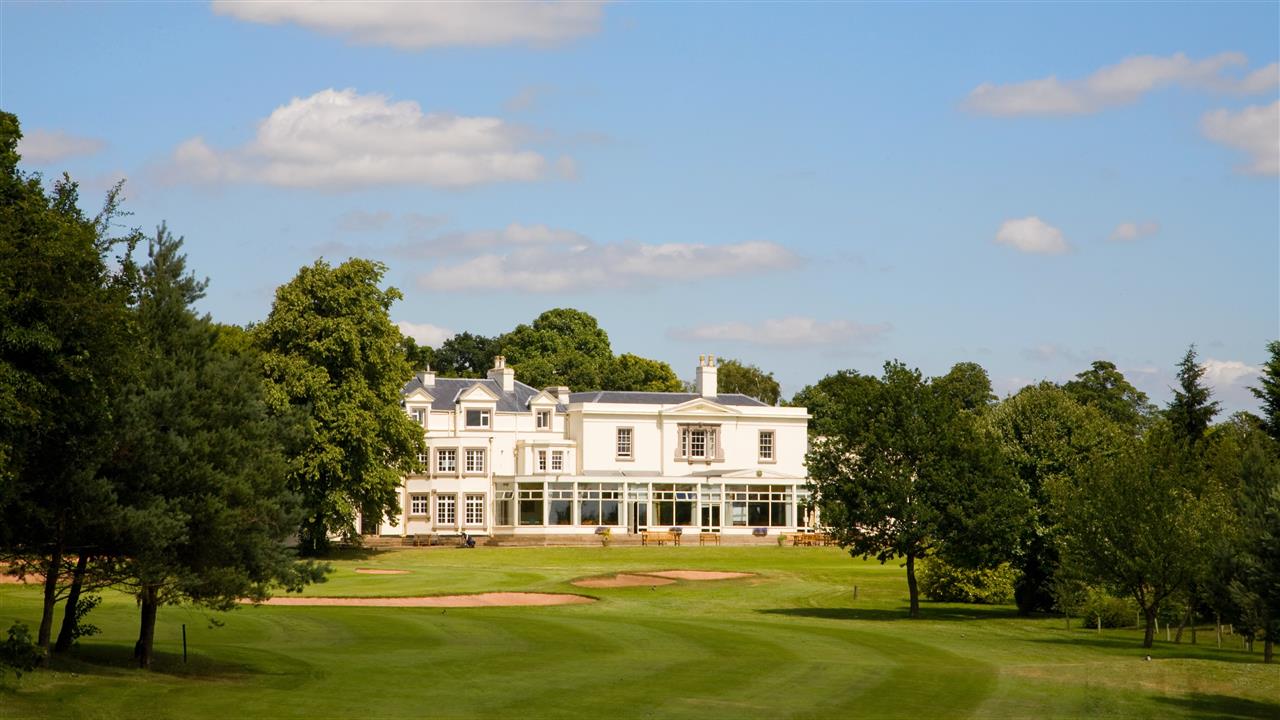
column 621, row 580
column 492, row 599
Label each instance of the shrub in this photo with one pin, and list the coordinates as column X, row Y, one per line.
column 19, row 653
column 1114, row 612
column 944, row 582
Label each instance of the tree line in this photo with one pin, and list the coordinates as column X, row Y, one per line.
column 1080, row 488
column 146, row 447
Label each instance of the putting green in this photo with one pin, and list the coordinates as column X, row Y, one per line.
column 791, row 642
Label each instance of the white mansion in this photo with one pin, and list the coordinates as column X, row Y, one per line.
column 505, row 458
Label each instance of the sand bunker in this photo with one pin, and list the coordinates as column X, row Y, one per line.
column 700, row 574
column 493, row 599
column 622, row 580
column 380, row 571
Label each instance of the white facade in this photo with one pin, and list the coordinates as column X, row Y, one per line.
column 505, row 458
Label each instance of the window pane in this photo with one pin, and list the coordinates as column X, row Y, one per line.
column 609, row 512
column 684, row 513
column 561, row 512
column 531, row 512
column 590, row 512
column 758, row 514
column 778, row 514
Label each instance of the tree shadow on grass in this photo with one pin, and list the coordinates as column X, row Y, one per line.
column 1202, row 705
column 350, row 552
column 115, row 659
column 944, row 613
column 1161, row 651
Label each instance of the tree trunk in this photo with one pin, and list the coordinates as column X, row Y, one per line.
column 66, row 634
column 912, row 588
column 1149, row 635
column 1268, row 650
column 147, row 632
column 1185, row 617
column 51, row 572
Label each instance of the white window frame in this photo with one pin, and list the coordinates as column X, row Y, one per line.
column 473, row 509
column 486, row 418
column 541, row 460
column 452, row 454
column 768, row 452
column 542, row 419
column 420, row 505
column 446, row 509
column 557, row 461
column 419, row 415
column 629, row 443
column 475, row 468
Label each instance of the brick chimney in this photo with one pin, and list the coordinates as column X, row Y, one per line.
column 705, row 383
column 503, row 375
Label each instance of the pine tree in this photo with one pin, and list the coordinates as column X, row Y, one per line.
column 1191, row 409
column 1269, row 393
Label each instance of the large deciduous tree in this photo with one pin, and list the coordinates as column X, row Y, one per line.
column 901, row 470
column 1047, row 436
column 199, row 466
column 331, row 352
column 1140, row 520
column 62, row 347
column 1105, row 388
column 560, row 347
column 735, row 376
column 632, row 372
column 465, row 355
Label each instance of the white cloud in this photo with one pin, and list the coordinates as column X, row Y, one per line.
column 1032, row 235
column 1134, row 230
column 1255, row 130
column 1226, row 373
column 419, row 25
column 790, row 331
column 1121, row 84
column 47, row 146
column 338, row 139
column 425, row 333
column 513, row 237
column 554, row 261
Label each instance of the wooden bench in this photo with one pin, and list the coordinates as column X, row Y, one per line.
column 807, row 539
column 420, row 540
column 659, row 537
column 709, row 537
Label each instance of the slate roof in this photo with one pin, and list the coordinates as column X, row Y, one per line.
column 446, row 392
column 659, row 398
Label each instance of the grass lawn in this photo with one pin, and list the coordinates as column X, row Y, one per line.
column 790, row 643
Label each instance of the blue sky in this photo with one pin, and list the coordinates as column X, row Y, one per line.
column 809, row 187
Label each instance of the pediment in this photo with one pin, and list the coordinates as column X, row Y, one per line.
column 476, row 393
column 543, row 399
column 702, row 406
column 419, row 396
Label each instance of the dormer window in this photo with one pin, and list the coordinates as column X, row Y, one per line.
column 419, row 415
column 477, row 418
column 543, row 419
